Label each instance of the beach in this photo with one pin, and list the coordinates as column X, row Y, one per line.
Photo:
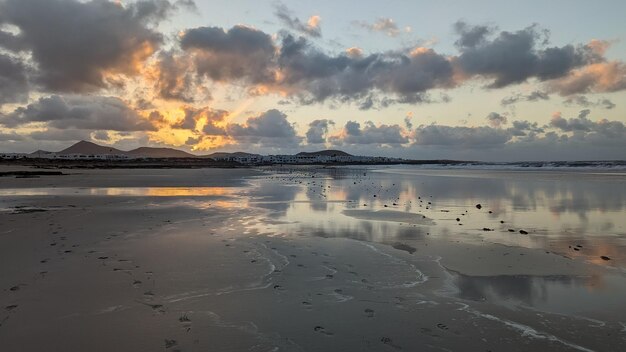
column 314, row 258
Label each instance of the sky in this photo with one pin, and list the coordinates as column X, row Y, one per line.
column 480, row 80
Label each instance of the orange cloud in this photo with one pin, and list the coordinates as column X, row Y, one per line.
column 599, row 77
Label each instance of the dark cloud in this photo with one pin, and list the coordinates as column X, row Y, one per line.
column 269, row 129
column 583, row 101
column 79, row 112
column 496, row 120
column 514, row 57
column 102, row 136
column 601, row 76
column 471, row 36
column 536, row 95
column 76, row 44
column 13, row 81
column 311, row 28
column 318, row 129
column 55, row 134
column 175, row 80
column 353, row 133
column 408, row 123
column 241, row 53
column 212, row 117
column 580, row 123
column 524, row 128
column 300, row 70
column 12, row 136
column 316, row 76
column 474, row 137
column 10, row 41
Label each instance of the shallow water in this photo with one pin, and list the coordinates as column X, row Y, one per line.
column 119, row 191
column 575, row 214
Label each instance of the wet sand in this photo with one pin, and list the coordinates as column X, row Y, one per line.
column 311, row 259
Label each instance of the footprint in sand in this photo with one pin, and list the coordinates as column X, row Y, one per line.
column 389, row 342
column 369, row 313
column 157, row 308
column 322, row 330
column 307, row 305
column 137, row 283
column 442, row 326
column 429, row 332
column 185, row 322
column 11, row 307
column 170, row 343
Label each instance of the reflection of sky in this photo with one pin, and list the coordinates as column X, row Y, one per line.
column 587, row 296
column 121, row 191
column 558, row 210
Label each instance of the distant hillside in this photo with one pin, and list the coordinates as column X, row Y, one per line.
column 148, row 152
column 227, row 155
column 325, row 153
column 87, row 148
column 41, row 152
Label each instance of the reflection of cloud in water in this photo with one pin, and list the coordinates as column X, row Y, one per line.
column 275, row 197
column 559, row 294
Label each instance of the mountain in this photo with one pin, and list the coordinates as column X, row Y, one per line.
column 226, row 155
column 325, row 152
column 88, row 148
column 41, row 152
column 147, row 152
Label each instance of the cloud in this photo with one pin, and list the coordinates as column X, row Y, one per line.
column 583, row 101
column 318, row 129
column 269, row 129
column 13, row 81
column 174, row 80
column 12, row 136
column 580, row 123
column 383, row 25
column 460, row 136
column 595, row 78
column 496, row 120
column 205, row 119
column 77, row 46
column 55, row 134
column 79, row 112
column 514, row 57
column 241, row 53
column 408, row 120
column 471, row 36
column 211, row 118
column 524, row 128
column 353, row 133
column 536, row 95
column 310, row 28
column 297, row 69
column 315, row 76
